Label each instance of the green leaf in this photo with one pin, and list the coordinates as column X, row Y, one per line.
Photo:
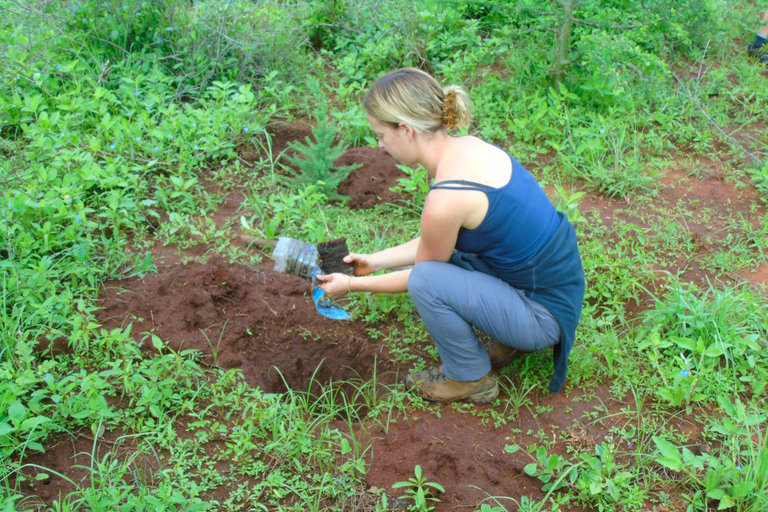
column 714, row 351
column 531, row 469
column 667, row 449
column 35, row 446
column 16, row 412
column 716, row 494
column 742, row 489
column 345, row 448
column 725, row 502
column 685, row 343
column 727, row 405
column 552, row 462
column 511, row 448
column 666, row 394
column 673, row 464
column 31, row 423
column 5, row 428
column 437, row 486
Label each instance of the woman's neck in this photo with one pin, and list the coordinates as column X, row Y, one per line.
column 432, row 148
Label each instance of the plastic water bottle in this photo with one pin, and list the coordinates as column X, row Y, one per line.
column 295, row 257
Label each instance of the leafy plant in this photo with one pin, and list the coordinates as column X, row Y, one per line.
column 706, row 343
column 414, row 187
column 596, row 481
column 420, row 491
column 289, row 215
column 737, row 480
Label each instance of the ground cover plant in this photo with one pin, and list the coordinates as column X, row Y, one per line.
column 152, row 359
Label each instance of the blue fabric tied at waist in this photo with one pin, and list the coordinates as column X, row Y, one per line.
column 554, row 278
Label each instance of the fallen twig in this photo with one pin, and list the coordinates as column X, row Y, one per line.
column 730, row 139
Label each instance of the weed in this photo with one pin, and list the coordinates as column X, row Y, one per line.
column 420, row 491
column 706, row 343
column 737, row 480
column 413, row 188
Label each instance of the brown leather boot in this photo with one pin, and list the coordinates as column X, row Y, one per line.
column 502, row 355
column 433, row 385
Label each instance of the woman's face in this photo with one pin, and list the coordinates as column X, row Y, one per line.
column 397, row 142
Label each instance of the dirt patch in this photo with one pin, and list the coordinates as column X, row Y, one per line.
column 462, row 450
column 254, row 319
column 709, row 193
column 71, row 455
column 281, row 134
column 370, row 184
column 758, row 277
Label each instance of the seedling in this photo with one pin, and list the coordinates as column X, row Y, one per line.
column 420, row 491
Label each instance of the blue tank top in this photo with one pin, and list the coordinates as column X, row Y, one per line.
column 519, row 222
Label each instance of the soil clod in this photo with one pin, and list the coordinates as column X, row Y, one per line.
column 332, row 255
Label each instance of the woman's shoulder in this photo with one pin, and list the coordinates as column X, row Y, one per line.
column 474, row 159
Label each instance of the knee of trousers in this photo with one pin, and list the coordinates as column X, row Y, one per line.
column 424, row 276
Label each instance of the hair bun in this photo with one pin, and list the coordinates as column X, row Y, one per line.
column 456, row 109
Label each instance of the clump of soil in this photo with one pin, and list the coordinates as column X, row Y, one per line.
column 255, row 319
column 332, row 255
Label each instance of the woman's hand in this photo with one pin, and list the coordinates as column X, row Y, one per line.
column 335, row 285
column 361, row 262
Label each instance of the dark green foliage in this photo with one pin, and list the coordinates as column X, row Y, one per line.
column 195, row 42
column 315, row 159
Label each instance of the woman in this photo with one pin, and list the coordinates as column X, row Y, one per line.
column 493, row 254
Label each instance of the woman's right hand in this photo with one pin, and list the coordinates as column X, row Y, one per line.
column 361, row 262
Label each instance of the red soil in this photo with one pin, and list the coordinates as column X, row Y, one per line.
column 254, row 319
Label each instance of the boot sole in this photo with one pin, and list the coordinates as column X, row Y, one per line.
column 478, row 398
column 486, row 396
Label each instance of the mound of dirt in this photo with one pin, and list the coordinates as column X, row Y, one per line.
column 261, row 321
column 370, row 184
column 283, row 133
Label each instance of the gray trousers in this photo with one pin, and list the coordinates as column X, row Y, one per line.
column 452, row 300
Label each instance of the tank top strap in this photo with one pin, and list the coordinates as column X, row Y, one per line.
column 470, row 185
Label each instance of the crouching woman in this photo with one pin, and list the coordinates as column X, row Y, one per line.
column 493, row 255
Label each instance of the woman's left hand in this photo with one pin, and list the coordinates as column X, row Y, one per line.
column 335, row 285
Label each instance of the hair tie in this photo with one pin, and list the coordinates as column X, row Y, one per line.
column 449, row 117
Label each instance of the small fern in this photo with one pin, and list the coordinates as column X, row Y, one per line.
column 314, row 159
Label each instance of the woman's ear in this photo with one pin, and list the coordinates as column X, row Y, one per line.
column 408, row 130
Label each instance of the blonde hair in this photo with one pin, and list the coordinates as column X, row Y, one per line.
column 411, row 96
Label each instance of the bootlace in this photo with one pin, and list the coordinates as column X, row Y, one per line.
column 435, row 374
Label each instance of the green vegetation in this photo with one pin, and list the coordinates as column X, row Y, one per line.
column 123, row 126
column 315, row 159
column 419, row 490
